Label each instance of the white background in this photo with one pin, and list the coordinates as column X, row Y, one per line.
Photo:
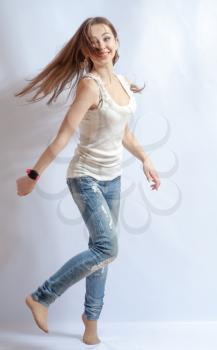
column 166, row 268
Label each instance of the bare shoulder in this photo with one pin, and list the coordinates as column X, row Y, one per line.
column 87, row 89
column 87, row 85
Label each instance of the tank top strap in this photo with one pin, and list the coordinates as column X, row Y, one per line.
column 125, row 84
column 92, row 76
column 99, row 83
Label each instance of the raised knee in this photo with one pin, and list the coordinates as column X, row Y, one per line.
column 113, row 250
column 110, row 251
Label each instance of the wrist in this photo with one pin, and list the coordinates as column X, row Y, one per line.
column 145, row 158
column 32, row 174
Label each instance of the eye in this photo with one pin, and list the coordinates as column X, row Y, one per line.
column 93, row 43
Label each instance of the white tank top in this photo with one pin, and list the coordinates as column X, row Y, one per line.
column 99, row 152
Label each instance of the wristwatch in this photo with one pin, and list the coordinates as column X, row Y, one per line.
column 33, row 174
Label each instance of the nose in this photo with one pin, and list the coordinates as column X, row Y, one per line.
column 100, row 45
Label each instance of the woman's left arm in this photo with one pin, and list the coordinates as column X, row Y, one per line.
column 130, row 142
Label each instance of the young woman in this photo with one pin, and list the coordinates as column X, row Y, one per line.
column 101, row 110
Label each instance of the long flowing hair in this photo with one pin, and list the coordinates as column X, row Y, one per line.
column 68, row 66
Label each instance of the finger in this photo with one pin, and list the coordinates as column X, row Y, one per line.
column 150, row 176
column 156, row 179
column 154, row 174
column 152, row 179
column 156, row 185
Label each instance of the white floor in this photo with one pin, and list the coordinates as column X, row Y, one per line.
column 118, row 336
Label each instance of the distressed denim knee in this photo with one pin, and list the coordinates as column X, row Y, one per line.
column 106, row 252
column 111, row 249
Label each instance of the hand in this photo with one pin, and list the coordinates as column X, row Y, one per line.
column 151, row 173
column 25, row 185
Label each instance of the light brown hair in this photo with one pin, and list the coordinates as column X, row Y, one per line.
column 69, row 63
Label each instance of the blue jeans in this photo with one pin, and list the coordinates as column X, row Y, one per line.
column 98, row 202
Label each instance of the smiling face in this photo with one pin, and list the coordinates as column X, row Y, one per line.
column 103, row 40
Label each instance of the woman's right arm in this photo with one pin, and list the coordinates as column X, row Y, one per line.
column 86, row 96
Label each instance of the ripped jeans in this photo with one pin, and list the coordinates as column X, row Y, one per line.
column 98, row 202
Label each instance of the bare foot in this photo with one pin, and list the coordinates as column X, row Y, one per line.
column 39, row 311
column 90, row 334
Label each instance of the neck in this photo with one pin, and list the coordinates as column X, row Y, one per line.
column 105, row 73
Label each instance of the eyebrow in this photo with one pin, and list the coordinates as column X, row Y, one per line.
column 102, row 34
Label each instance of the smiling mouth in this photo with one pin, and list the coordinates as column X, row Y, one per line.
column 103, row 54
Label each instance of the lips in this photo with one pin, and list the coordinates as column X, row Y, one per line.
column 102, row 54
